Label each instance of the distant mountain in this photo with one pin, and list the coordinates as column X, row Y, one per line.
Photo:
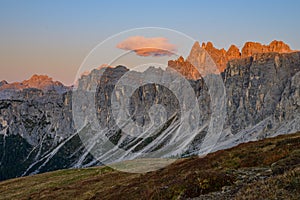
column 37, row 131
column 40, row 82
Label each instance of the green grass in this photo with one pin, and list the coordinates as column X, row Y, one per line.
column 189, row 177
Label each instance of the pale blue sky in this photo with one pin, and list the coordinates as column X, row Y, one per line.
column 53, row 37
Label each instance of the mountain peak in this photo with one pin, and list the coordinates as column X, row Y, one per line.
column 40, row 82
column 195, row 48
column 233, row 52
column 196, row 45
column 38, row 79
column 208, row 45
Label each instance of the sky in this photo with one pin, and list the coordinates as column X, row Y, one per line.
column 53, row 37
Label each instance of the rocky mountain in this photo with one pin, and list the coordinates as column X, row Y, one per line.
column 39, row 131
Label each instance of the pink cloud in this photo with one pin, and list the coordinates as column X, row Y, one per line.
column 142, row 46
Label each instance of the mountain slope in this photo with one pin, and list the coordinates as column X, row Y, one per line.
column 269, row 168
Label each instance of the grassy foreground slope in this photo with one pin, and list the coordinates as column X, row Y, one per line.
column 266, row 169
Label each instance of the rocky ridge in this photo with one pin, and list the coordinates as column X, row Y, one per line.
column 221, row 56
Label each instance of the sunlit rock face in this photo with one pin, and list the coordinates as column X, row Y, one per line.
column 251, row 48
column 185, row 68
column 221, row 56
column 37, row 132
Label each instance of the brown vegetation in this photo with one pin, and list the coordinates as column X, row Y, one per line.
column 266, row 169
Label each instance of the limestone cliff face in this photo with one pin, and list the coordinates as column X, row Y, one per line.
column 263, row 96
column 32, row 125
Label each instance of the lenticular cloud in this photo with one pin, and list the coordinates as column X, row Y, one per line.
column 142, row 46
